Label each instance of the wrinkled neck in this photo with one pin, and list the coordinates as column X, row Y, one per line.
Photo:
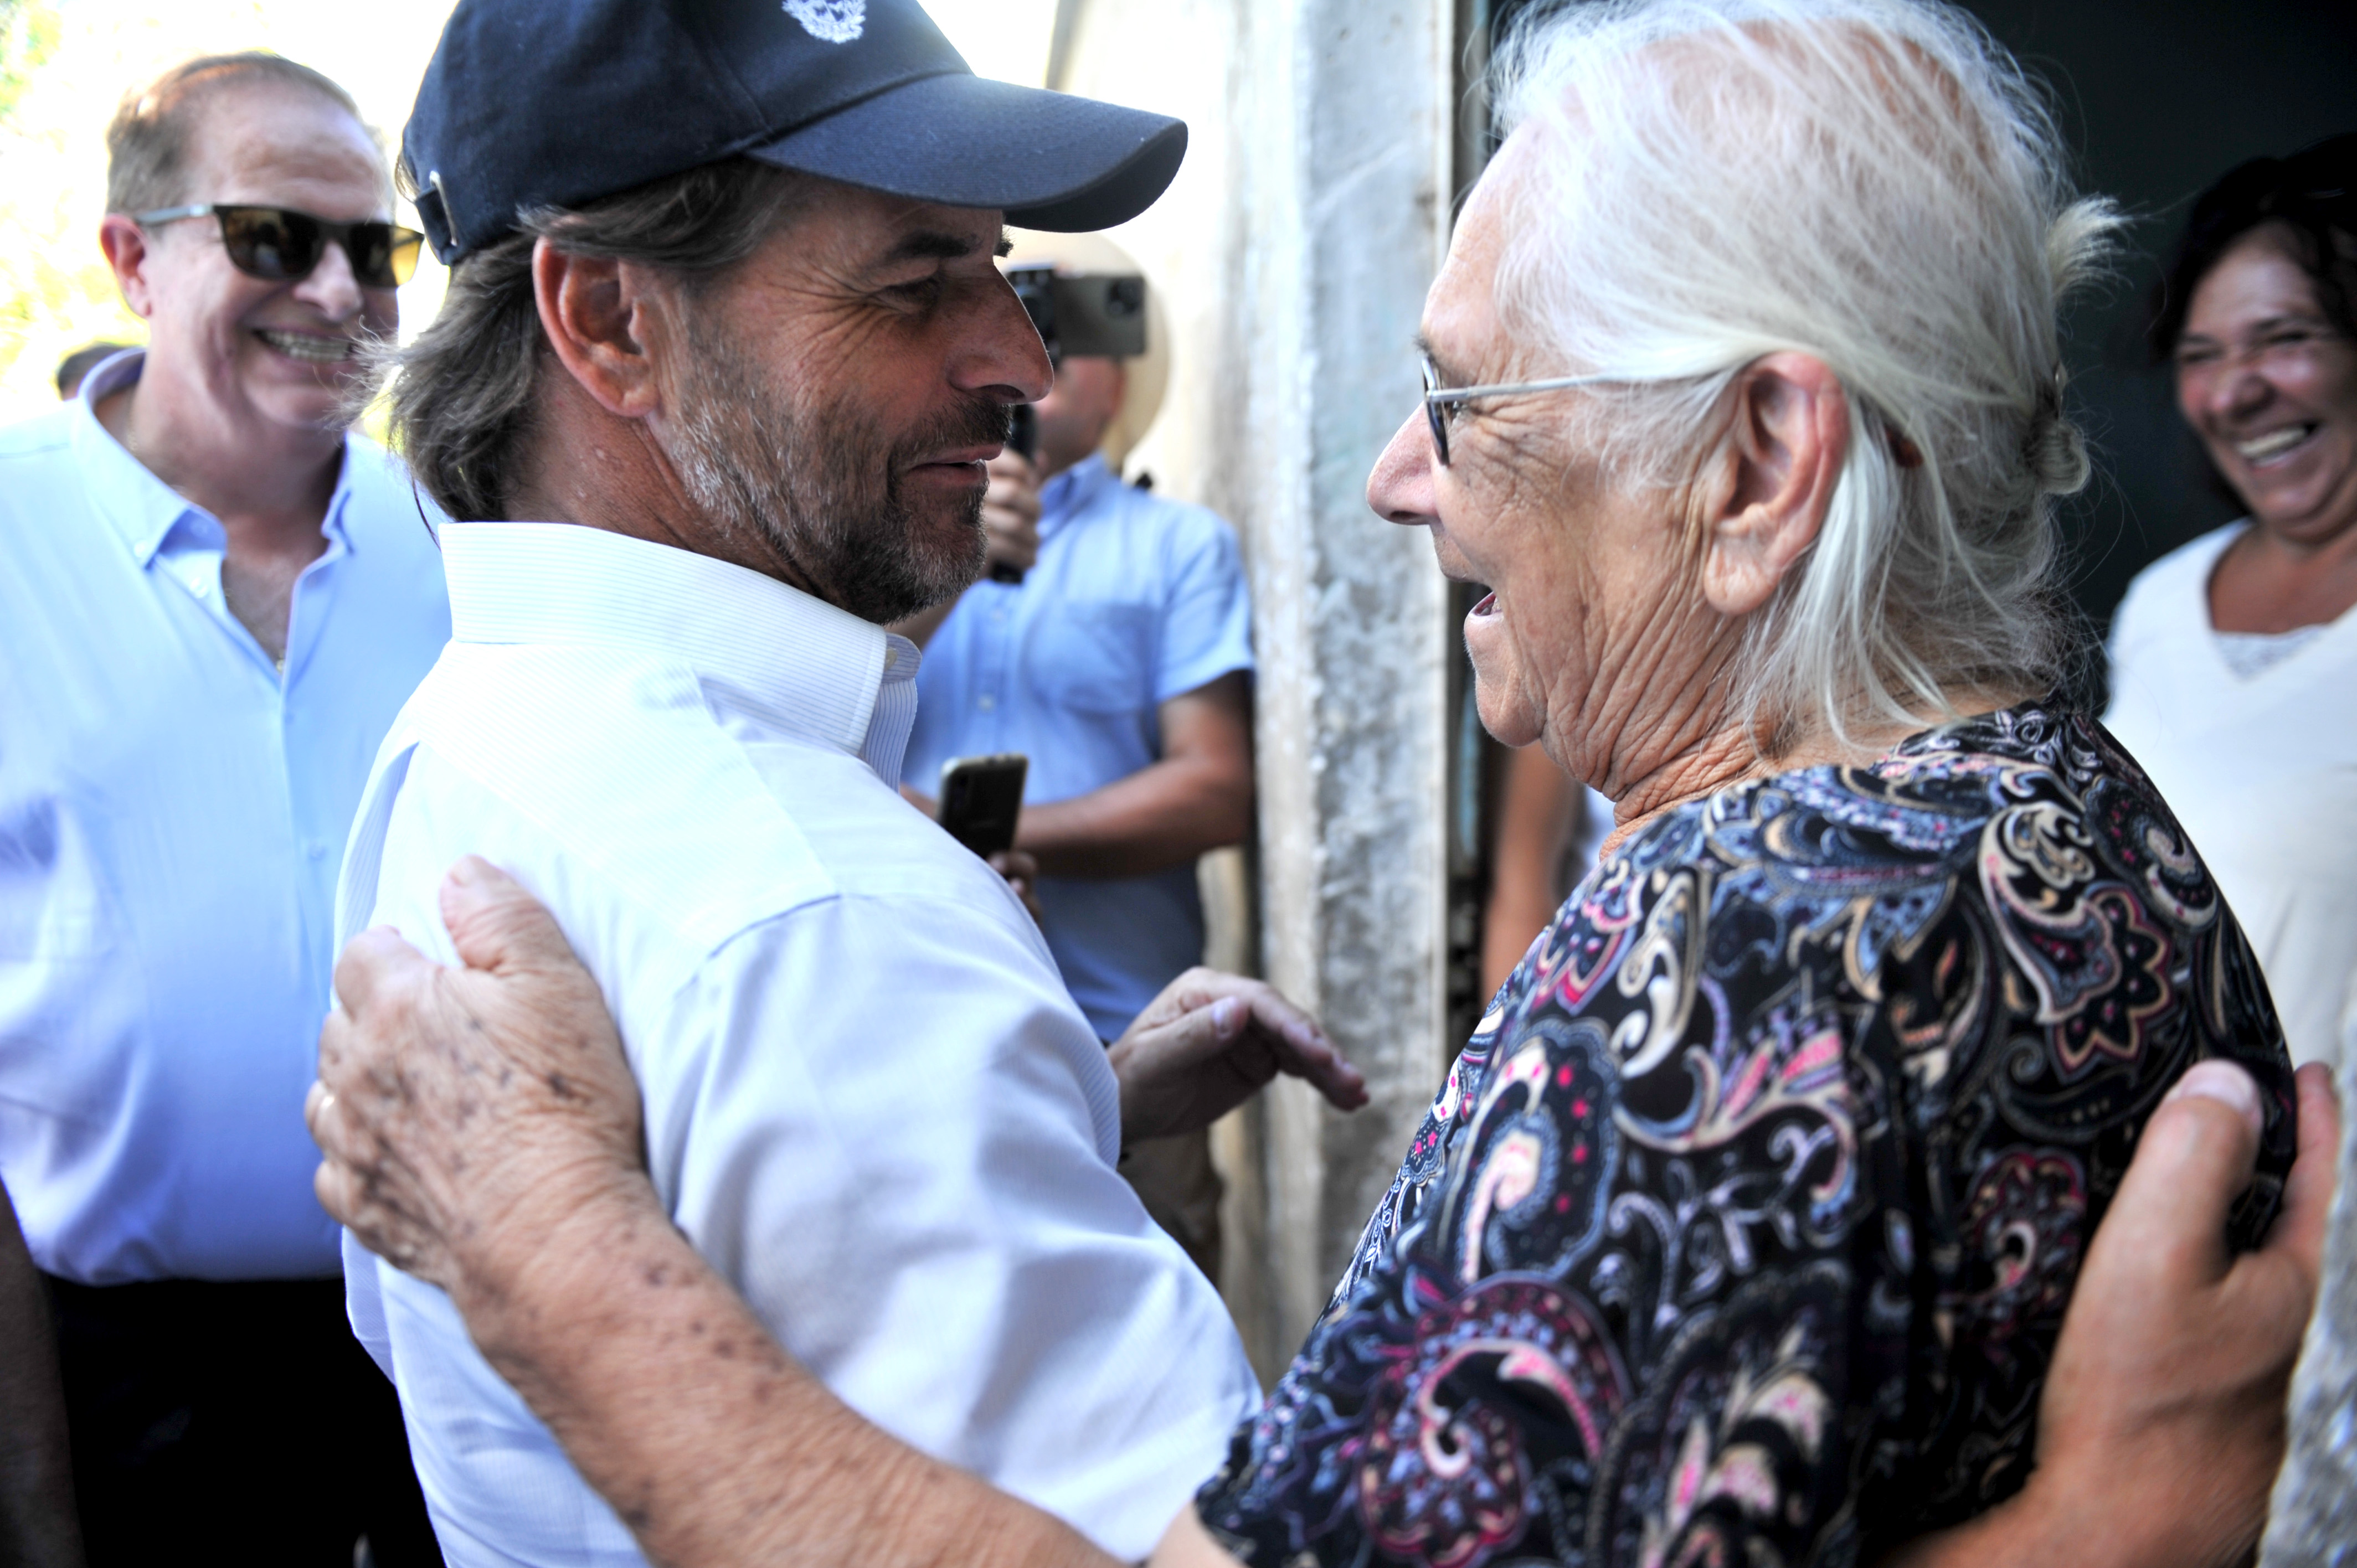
column 1728, row 756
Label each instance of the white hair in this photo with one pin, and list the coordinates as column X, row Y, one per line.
column 1871, row 182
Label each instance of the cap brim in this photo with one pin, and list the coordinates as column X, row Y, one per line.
column 1048, row 160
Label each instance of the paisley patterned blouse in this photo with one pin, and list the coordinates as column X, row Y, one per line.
column 1742, row 1229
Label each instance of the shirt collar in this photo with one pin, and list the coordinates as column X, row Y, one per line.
column 144, row 510
column 1073, row 491
column 784, row 656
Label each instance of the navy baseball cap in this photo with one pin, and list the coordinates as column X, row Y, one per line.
column 530, row 103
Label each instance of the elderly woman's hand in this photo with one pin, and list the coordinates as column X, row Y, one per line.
column 464, row 1112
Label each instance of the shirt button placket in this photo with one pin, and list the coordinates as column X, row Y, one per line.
column 995, row 647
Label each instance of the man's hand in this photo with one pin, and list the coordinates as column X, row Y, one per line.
column 1022, row 874
column 2161, row 1426
column 1020, row 870
column 2169, row 1383
column 1010, row 513
column 1211, row 1041
column 463, row 1112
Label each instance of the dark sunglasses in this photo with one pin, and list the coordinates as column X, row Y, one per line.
column 279, row 244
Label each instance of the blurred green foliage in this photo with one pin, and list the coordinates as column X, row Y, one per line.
column 56, row 290
column 28, row 35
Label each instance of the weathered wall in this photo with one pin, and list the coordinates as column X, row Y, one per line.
column 1293, row 252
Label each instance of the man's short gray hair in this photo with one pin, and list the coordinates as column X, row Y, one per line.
column 463, row 394
column 148, row 139
column 1872, row 182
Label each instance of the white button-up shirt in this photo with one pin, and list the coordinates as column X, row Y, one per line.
column 172, row 810
column 869, row 1100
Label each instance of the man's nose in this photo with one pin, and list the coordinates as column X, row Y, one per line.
column 1006, row 356
column 332, row 288
column 1400, row 487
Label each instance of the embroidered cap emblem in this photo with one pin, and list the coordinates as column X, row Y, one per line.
column 835, row 21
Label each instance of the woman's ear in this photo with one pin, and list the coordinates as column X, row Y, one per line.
column 1785, row 447
column 596, row 312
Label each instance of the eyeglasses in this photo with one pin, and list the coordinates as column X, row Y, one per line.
column 1438, row 398
column 279, row 244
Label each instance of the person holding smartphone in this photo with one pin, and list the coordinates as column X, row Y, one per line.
column 1111, row 644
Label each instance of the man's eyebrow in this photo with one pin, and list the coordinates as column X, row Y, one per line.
column 928, row 245
column 1006, row 246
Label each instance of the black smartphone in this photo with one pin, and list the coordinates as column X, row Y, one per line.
column 981, row 799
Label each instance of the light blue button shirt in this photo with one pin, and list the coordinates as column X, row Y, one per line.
column 173, row 811
column 1136, row 599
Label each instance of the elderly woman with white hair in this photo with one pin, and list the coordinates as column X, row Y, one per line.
column 1745, row 1220
column 1743, row 1229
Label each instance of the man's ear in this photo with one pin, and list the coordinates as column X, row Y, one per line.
column 1783, row 455
column 125, row 244
column 594, row 311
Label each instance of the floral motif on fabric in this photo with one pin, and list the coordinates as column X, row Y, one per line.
column 1742, row 1229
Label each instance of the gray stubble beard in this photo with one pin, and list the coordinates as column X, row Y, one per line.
column 819, row 490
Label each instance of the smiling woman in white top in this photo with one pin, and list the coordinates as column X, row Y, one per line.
column 2235, row 659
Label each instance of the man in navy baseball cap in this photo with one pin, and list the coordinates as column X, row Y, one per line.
column 723, row 352
column 528, row 104
column 674, row 139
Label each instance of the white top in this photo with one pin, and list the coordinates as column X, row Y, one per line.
column 171, row 807
column 869, row 1101
column 2262, row 771
column 2249, row 653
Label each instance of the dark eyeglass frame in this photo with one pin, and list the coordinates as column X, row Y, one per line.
column 382, row 255
column 1438, row 398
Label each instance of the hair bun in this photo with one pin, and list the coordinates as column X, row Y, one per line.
column 2057, row 453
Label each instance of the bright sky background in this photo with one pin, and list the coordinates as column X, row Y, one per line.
column 55, row 291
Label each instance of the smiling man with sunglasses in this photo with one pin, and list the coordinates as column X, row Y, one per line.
column 278, row 244
column 217, row 598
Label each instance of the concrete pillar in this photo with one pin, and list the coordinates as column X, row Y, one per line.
column 1294, row 253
